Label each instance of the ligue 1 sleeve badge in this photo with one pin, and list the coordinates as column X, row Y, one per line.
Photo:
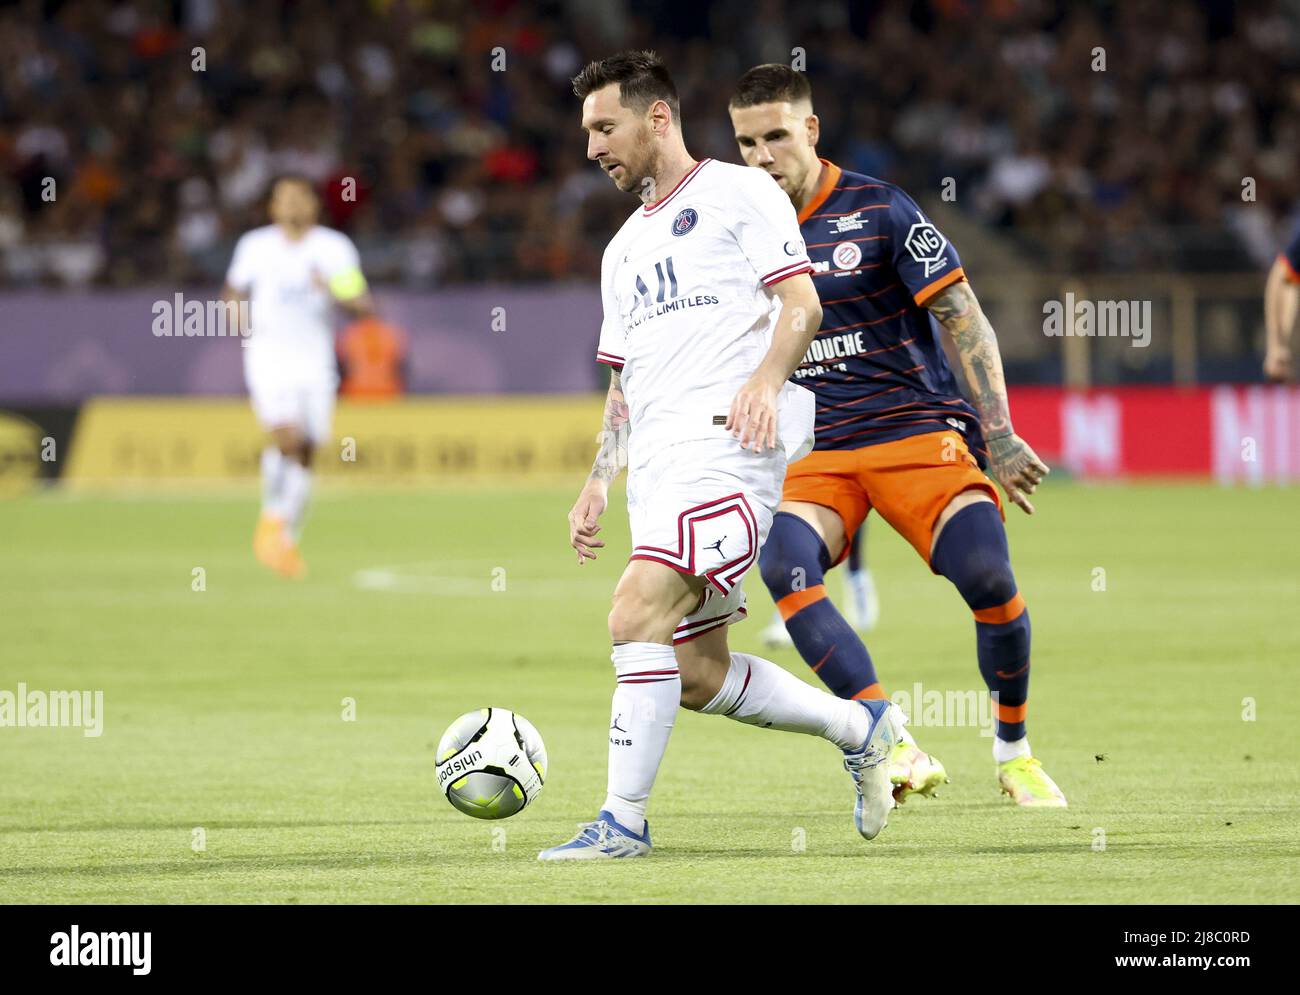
column 685, row 220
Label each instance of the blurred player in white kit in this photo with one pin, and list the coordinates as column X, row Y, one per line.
column 293, row 272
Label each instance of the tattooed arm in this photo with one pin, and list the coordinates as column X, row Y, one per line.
column 1011, row 462
column 611, row 458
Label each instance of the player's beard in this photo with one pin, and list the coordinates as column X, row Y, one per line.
column 638, row 176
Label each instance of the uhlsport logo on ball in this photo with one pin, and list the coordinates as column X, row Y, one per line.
column 491, row 763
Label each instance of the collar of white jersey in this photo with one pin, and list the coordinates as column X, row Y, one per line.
column 649, row 209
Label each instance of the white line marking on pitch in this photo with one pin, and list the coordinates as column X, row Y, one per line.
column 474, row 581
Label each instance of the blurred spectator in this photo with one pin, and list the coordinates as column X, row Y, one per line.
column 163, row 124
column 372, row 358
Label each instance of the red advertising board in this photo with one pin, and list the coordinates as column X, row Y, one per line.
column 1247, row 434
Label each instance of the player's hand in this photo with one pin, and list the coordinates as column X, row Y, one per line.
column 753, row 414
column 1016, row 467
column 583, row 526
column 1277, row 364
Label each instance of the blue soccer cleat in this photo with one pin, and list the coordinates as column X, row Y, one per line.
column 604, row 839
column 869, row 767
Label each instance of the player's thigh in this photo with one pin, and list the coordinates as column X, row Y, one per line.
column 825, row 489
column 276, row 406
column 913, row 481
column 703, row 662
column 963, row 499
column 826, row 522
column 650, row 600
column 318, row 399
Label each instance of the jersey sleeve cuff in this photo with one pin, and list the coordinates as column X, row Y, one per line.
column 787, row 271
column 609, row 359
column 930, row 289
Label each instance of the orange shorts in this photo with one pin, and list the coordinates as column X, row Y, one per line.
column 909, row 481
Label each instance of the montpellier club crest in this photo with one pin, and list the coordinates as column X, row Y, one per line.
column 685, row 220
column 846, row 255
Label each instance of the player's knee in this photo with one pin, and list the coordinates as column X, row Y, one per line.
column 702, row 664
column 696, row 692
column 290, row 443
column 990, row 586
column 794, row 558
column 972, row 553
column 633, row 618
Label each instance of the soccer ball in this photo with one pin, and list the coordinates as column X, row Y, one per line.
column 491, row 763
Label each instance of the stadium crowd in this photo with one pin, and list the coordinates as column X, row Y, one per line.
column 1102, row 136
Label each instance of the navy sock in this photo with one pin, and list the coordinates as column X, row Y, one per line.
column 857, row 549
column 972, row 553
column 793, row 564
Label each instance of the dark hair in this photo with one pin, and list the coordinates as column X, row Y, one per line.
column 642, row 79
column 770, row 83
column 297, row 178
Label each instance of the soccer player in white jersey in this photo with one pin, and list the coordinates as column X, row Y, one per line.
column 708, row 309
column 293, row 273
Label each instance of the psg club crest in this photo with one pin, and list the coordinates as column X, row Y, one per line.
column 685, row 220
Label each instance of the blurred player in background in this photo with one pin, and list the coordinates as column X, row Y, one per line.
column 862, row 604
column 1281, row 302
column 700, row 355
column 293, row 272
column 893, row 432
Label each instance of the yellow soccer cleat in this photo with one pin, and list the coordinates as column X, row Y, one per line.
column 1028, row 784
column 914, row 772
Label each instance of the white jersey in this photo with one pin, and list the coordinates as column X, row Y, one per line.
column 290, row 305
column 686, row 310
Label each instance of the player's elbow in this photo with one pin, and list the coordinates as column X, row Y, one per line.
column 807, row 314
column 815, row 314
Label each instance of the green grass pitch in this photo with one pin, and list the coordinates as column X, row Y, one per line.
column 224, row 711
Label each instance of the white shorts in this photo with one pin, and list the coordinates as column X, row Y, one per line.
column 307, row 405
column 704, row 508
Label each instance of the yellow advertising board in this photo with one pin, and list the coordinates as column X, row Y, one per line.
column 122, row 440
column 20, row 448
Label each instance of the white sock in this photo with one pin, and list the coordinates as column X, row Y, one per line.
column 646, row 700
column 272, row 479
column 294, row 493
column 759, row 693
column 1004, row 750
